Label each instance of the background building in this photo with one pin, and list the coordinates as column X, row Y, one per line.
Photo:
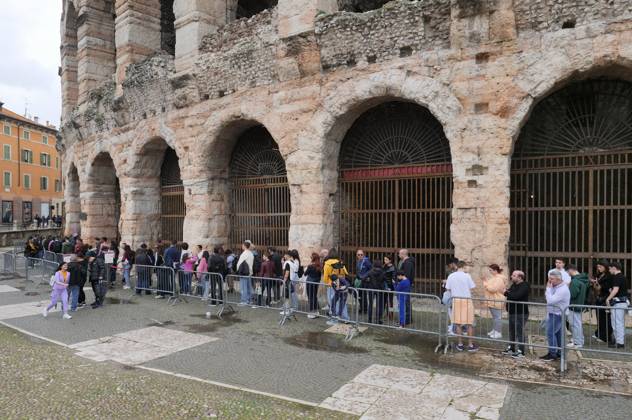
column 31, row 169
column 494, row 131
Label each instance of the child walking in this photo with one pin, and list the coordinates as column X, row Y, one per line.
column 403, row 288
column 60, row 290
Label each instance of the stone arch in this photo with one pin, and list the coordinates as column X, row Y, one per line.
column 319, row 143
column 73, row 201
column 68, row 69
column 245, row 9
column 101, row 198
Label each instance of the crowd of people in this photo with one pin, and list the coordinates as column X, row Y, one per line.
column 270, row 277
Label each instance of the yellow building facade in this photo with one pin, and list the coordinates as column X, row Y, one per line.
column 30, row 170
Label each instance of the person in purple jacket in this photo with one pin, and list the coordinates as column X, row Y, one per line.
column 60, row 290
column 402, row 286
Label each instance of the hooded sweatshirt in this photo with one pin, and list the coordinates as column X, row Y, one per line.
column 578, row 288
column 495, row 290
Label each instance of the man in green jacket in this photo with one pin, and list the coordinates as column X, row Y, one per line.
column 579, row 289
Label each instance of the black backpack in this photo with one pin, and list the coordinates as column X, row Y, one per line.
column 243, row 269
column 301, row 271
column 256, row 264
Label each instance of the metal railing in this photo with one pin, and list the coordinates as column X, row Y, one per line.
column 158, row 280
column 39, row 271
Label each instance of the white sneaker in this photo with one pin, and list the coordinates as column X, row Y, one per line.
column 570, row 345
column 496, row 334
column 326, row 308
column 126, row 287
column 45, row 312
column 66, row 316
column 311, row 316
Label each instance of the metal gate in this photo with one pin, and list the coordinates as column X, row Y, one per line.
column 259, row 192
column 173, row 209
column 396, row 190
column 570, row 181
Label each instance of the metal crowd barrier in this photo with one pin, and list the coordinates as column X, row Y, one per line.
column 259, row 290
column 52, row 256
column 533, row 326
column 7, row 262
column 158, row 280
column 39, row 271
column 202, row 286
column 19, row 245
column 415, row 312
column 594, row 330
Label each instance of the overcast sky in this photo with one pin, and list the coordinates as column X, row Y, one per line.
column 29, row 30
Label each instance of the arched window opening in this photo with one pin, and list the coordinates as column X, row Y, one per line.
column 570, row 180
column 395, row 190
column 167, row 27
column 249, row 8
column 173, row 209
column 105, row 200
column 361, row 6
column 259, row 192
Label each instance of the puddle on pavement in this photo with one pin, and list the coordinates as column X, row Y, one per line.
column 117, row 301
column 161, row 324
column 322, row 341
column 31, row 294
column 201, row 328
column 22, row 288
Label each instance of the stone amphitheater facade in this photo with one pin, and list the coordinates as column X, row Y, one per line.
column 142, row 76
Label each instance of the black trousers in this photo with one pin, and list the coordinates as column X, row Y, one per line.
column 312, row 295
column 378, row 297
column 82, row 295
column 516, row 330
column 604, row 326
column 266, row 289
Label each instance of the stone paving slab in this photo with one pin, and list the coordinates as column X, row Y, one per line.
column 4, row 288
column 21, row 310
column 381, row 392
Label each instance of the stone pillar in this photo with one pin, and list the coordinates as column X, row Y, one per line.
column 98, row 202
column 68, row 68
column 194, row 20
column 298, row 16
column 73, row 205
column 96, row 48
column 137, row 34
column 140, row 209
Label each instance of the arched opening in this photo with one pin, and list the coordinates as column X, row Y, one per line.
column 395, row 189
column 249, row 8
column 68, row 69
column 259, row 192
column 73, row 202
column 167, row 27
column 571, row 174
column 103, row 203
column 360, row 6
column 173, row 209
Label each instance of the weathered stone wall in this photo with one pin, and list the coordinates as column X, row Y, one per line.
column 474, row 71
column 398, row 29
column 552, row 15
column 239, row 56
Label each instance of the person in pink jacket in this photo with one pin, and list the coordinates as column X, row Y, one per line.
column 60, row 290
column 495, row 287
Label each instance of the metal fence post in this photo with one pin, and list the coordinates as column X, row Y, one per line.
column 563, row 343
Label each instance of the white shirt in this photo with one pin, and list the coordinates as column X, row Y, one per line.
column 459, row 284
column 293, row 269
column 247, row 256
column 566, row 278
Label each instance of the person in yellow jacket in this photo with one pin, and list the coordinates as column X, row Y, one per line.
column 495, row 287
column 332, row 265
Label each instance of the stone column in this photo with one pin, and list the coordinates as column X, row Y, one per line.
column 194, row 20
column 73, row 205
column 140, row 209
column 298, row 16
column 68, row 68
column 96, row 49
column 137, row 34
column 99, row 201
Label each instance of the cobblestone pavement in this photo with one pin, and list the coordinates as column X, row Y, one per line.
column 248, row 349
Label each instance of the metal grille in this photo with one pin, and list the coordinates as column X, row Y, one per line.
column 173, row 209
column 578, row 204
column 260, row 196
column 402, row 196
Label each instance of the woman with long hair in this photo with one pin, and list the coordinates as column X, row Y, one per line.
column 313, row 273
column 126, row 262
column 390, row 275
column 601, row 286
column 495, row 287
column 60, row 290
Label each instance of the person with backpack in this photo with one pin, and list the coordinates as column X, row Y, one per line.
column 217, row 265
column 579, row 289
column 245, row 265
column 266, row 280
column 60, row 282
column 290, row 277
column 313, row 274
column 333, row 266
column 231, row 263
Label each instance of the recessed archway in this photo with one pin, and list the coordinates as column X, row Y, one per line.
column 395, row 189
column 101, row 199
column 249, row 8
column 570, row 178
column 259, row 193
column 167, row 27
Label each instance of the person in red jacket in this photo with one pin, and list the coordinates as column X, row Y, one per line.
column 266, row 280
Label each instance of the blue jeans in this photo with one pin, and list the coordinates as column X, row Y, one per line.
column 74, row 297
column 245, row 289
column 577, row 328
column 126, row 270
column 617, row 318
column 554, row 334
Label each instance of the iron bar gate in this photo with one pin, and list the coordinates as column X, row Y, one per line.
column 173, row 209
column 259, row 193
column 570, row 181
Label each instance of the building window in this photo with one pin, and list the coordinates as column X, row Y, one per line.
column 45, row 159
column 7, row 212
column 27, row 156
column 27, row 181
column 7, row 130
column 44, row 183
column 45, row 139
column 26, row 135
column 27, row 212
column 6, row 180
column 56, row 163
column 6, row 152
column 57, row 185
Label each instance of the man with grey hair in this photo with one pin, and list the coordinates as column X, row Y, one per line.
column 558, row 297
